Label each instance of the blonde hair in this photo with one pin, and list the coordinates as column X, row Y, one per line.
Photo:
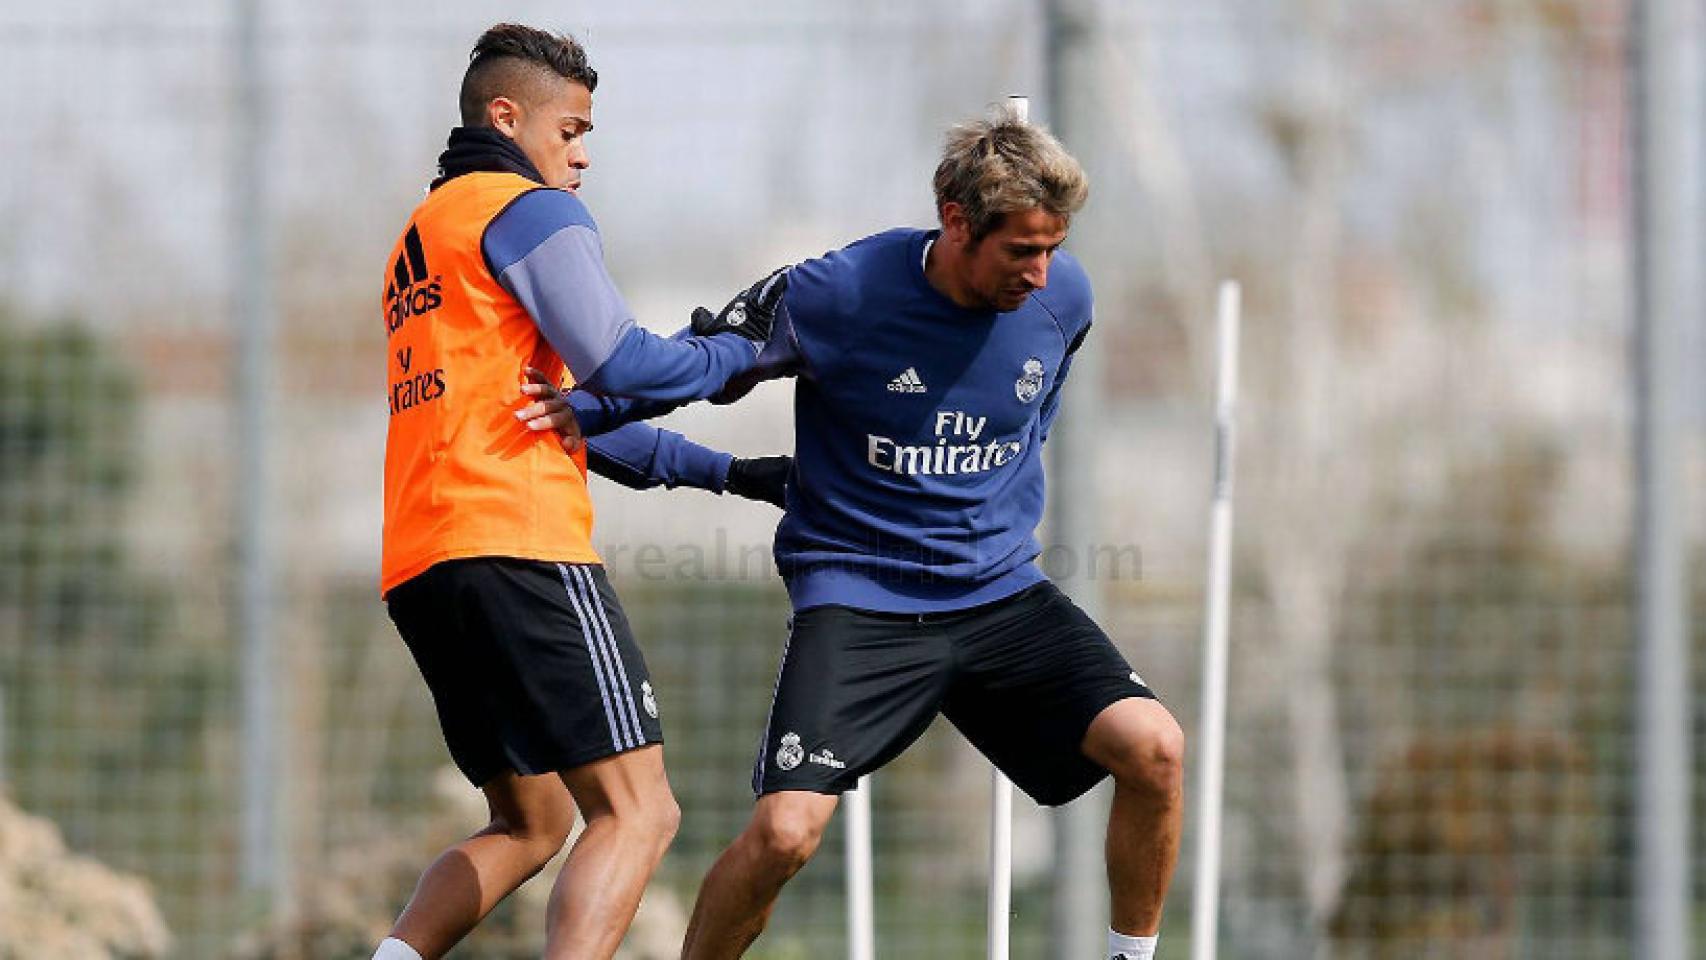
column 1001, row 165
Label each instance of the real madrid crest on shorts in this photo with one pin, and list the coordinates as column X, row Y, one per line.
column 790, row 753
column 1031, row 383
column 648, row 699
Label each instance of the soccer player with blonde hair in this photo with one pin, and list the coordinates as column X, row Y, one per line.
column 930, row 365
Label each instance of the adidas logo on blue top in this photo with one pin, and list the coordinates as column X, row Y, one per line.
column 908, row 382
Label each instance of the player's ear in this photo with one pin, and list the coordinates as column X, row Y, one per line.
column 955, row 227
column 503, row 114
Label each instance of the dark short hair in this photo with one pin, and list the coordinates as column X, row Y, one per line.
column 509, row 55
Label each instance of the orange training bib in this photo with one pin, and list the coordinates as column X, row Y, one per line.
column 463, row 477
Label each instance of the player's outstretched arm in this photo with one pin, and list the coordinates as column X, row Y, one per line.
column 577, row 414
column 545, row 250
column 641, row 456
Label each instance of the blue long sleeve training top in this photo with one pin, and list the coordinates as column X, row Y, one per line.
column 918, row 429
column 642, row 456
column 544, row 249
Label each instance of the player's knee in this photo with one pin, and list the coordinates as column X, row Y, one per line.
column 652, row 817
column 787, row 837
column 662, row 816
column 1152, row 759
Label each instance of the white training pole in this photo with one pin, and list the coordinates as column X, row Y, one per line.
column 1205, row 912
column 1000, row 863
column 861, row 914
column 1001, row 794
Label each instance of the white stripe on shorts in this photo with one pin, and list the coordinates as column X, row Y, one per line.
column 617, row 740
column 615, row 654
column 603, row 655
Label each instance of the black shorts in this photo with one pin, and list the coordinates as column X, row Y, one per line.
column 531, row 664
column 1021, row 677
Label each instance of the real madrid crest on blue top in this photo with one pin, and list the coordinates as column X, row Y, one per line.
column 1031, row 382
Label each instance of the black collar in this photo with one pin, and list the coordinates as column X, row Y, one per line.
column 482, row 149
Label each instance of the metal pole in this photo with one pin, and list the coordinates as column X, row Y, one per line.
column 1667, row 118
column 263, row 867
column 861, row 911
column 1205, row 912
column 1079, row 918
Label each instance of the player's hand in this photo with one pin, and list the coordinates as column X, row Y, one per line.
column 549, row 410
column 751, row 314
column 761, row 478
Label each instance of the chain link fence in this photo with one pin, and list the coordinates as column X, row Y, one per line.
column 1431, row 729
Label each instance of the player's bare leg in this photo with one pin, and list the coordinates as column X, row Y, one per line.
column 531, row 817
column 631, row 817
column 741, row 889
column 1141, row 744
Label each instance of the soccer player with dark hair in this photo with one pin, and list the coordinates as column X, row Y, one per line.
column 930, row 366
column 488, row 567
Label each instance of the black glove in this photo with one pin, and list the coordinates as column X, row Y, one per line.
column 752, row 313
column 760, row 478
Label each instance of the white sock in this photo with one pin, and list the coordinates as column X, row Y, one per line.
column 394, row 949
column 1122, row 947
